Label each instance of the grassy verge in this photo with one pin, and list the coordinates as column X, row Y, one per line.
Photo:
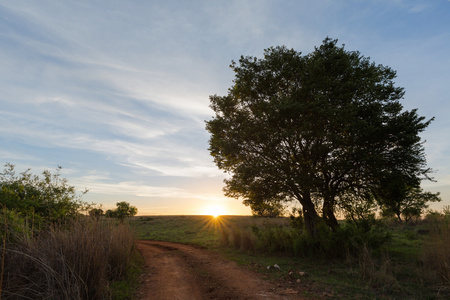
column 401, row 269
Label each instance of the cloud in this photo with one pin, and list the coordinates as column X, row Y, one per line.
column 15, row 156
column 150, row 150
column 137, row 189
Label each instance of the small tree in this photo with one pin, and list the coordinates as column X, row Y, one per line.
column 123, row 210
column 406, row 202
column 110, row 213
column 96, row 213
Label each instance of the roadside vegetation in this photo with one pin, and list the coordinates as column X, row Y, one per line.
column 52, row 250
column 395, row 261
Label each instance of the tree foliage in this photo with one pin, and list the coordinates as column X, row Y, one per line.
column 403, row 201
column 110, row 213
column 267, row 208
column 312, row 128
column 44, row 199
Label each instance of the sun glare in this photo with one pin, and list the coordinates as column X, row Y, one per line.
column 215, row 211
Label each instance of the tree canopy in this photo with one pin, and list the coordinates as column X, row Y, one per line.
column 313, row 128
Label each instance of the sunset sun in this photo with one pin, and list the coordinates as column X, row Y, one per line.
column 215, row 211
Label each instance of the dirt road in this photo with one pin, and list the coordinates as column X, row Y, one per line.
column 186, row 272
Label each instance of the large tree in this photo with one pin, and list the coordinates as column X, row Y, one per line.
column 313, row 127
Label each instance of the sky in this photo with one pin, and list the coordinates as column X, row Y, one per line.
column 117, row 92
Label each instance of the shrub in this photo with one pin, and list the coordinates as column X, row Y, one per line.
column 41, row 200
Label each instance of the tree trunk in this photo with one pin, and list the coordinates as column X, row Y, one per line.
column 399, row 216
column 309, row 214
column 328, row 213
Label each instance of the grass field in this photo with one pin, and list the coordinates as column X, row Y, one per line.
column 396, row 271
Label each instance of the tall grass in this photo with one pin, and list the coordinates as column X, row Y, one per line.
column 278, row 235
column 378, row 272
column 68, row 262
column 436, row 253
column 254, row 234
column 237, row 238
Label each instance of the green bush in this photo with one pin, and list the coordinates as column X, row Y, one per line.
column 41, row 200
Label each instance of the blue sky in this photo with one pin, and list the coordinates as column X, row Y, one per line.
column 116, row 92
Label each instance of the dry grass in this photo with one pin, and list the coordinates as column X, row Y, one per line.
column 436, row 254
column 68, row 263
column 251, row 234
column 378, row 272
column 241, row 239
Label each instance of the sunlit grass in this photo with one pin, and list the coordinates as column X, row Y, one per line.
column 215, row 223
column 201, row 230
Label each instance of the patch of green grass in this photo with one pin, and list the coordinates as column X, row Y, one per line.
column 126, row 289
column 199, row 230
column 404, row 245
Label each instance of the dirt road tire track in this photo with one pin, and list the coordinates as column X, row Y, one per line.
column 186, row 272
